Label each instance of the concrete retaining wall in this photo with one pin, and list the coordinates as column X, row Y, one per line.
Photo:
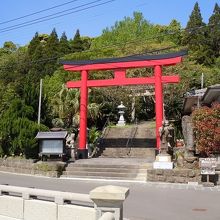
column 20, row 203
column 31, row 167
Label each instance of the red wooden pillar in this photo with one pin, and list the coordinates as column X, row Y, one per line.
column 82, row 151
column 158, row 101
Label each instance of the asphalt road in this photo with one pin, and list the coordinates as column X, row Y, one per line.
column 147, row 201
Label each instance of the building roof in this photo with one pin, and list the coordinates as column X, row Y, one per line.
column 51, row 135
column 200, row 97
column 212, row 94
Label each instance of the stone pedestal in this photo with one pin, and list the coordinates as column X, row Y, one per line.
column 109, row 199
column 208, row 184
column 163, row 161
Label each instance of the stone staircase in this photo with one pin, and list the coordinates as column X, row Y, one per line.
column 126, row 153
column 126, row 169
column 135, row 141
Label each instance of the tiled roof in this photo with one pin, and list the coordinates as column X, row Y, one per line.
column 51, row 135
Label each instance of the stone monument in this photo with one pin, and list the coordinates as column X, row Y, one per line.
column 190, row 160
column 187, row 127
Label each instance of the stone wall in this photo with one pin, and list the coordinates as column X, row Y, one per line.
column 174, row 176
column 31, row 167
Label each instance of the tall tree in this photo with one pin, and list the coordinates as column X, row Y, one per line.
column 174, row 29
column 195, row 36
column 214, row 32
column 51, row 53
column 37, row 65
column 34, row 43
column 77, row 43
column 17, row 131
column 64, row 46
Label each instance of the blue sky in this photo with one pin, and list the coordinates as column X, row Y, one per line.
column 91, row 22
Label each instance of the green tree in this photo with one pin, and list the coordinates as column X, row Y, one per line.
column 66, row 106
column 174, row 31
column 34, row 43
column 9, row 47
column 64, row 47
column 17, row 131
column 214, row 32
column 37, row 65
column 195, row 37
column 77, row 43
column 51, row 53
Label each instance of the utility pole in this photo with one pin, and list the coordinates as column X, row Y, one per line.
column 39, row 105
column 202, row 80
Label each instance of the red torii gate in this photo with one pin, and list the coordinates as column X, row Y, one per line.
column 120, row 65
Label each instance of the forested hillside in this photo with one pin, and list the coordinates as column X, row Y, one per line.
column 21, row 69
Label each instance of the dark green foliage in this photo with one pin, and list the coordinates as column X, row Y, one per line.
column 34, row 43
column 37, row 65
column 9, row 47
column 17, row 131
column 77, row 43
column 64, row 47
column 21, row 69
column 51, row 54
column 213, row 31
column 195, row 37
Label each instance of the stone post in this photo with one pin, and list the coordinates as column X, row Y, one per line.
column 187, row 127
column 109, row 199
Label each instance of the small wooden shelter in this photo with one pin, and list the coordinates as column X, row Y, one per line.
column 52, row 143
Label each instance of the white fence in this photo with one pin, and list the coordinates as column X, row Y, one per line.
column 20, row 203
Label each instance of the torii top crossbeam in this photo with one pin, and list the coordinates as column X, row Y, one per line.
column 119, row 66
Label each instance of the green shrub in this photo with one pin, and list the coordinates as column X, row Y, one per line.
column 207, row 129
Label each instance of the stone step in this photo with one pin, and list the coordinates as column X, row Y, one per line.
column 108, row 168
column 112, row 170
column 98, row 165
column 120, row 152
column 142, row 179
column 135, row 142
column 126, row 132
column 104, row 174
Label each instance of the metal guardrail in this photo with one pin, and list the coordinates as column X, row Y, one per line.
column 56, row 196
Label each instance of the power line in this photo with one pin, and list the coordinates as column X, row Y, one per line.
column 46, row 18
column 128, row 43
column 37, row 12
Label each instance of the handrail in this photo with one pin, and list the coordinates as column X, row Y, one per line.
column 59, row 197
column 100, row 138
column 132, row 134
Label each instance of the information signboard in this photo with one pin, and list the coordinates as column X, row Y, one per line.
column 208, row 165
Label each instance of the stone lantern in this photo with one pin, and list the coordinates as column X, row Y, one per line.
column 121, row 121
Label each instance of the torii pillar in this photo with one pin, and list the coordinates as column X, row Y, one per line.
column 119, row 66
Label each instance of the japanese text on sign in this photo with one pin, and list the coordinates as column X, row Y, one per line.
column 208, row 165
